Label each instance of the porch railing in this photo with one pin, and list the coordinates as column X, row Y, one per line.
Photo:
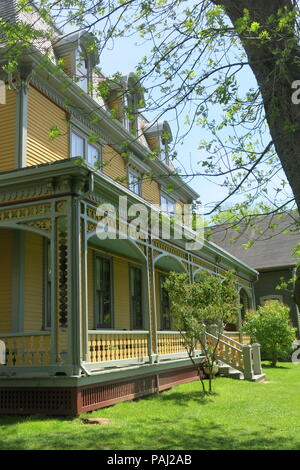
column 236, row 335
column 27, row 349
column 110, row 345
column 243, row 357
column 170, row 342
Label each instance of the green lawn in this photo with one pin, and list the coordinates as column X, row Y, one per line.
column 242, row 415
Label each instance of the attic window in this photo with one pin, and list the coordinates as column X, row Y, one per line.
column 79, row 55
column 82, row 69
column 131, row 113
column 164, row 150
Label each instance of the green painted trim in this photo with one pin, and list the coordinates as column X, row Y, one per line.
column 118, row 332
column 100, row 366
column 21, row 125
column 23, row 334
column 79, row 381
column 18, row 277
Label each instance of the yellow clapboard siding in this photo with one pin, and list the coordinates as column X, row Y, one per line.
column 33, row 282
column 121, row 294
column 153, row 144
column 90, row 270
column 43, row 114
column 67, row 65
column 151, row 191
column 6, row 255
column 8, row 131
column 114, row 166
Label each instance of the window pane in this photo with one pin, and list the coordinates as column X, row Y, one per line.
column 133, row 182
column 103, row 317
column 166, row 323
column 81, row 70
column 92, row 154
column 167, row 205
column 136, row 298
column 77, row 145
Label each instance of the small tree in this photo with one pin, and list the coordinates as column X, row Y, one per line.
column 194, row 306
column 269, row 326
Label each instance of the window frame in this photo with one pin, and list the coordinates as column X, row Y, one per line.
column 162, row 278
column 136, row 174
column 111, row 290
column 86, row 143
column 164, row 150
column 168, row 199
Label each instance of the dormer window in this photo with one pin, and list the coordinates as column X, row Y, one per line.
column 159, row 136
column 124, row 99
column 82, row 69
column 164, row 149
column 79, row 56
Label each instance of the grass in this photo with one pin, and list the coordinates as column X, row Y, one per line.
column 242, row 415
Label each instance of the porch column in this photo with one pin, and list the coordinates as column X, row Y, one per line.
column 147, row 304
column 83, row 281
column 78, row 340
column 153, row 346
column 21, row 86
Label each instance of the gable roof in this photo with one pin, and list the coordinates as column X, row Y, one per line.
column 272, row 248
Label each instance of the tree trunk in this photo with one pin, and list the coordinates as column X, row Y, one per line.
column 274, row 84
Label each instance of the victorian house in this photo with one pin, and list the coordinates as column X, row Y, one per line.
column 84, row 320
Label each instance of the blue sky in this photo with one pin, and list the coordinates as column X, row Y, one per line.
column 123, row 56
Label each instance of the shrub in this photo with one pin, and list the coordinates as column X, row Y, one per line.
column 269, row 326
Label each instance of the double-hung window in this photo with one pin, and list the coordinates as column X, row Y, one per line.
column 103, row 296
column 165, row 318
column 81, row 147
column 167, row 205
column 134, row 183
column 136, row 296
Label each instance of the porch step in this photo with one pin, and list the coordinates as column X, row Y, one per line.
column 228, row 371
column 258, row 378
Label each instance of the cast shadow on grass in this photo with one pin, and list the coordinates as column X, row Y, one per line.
column 269, row 366
column 190, row 435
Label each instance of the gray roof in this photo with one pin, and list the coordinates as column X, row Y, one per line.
column 274, row 237
column 8, row 10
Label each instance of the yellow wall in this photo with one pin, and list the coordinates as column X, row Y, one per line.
column 33, row 282
column 151, row 191
column 8, row 131
column 121, row 294
column 6, row 254
column 43, row 114
column 114, row 165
